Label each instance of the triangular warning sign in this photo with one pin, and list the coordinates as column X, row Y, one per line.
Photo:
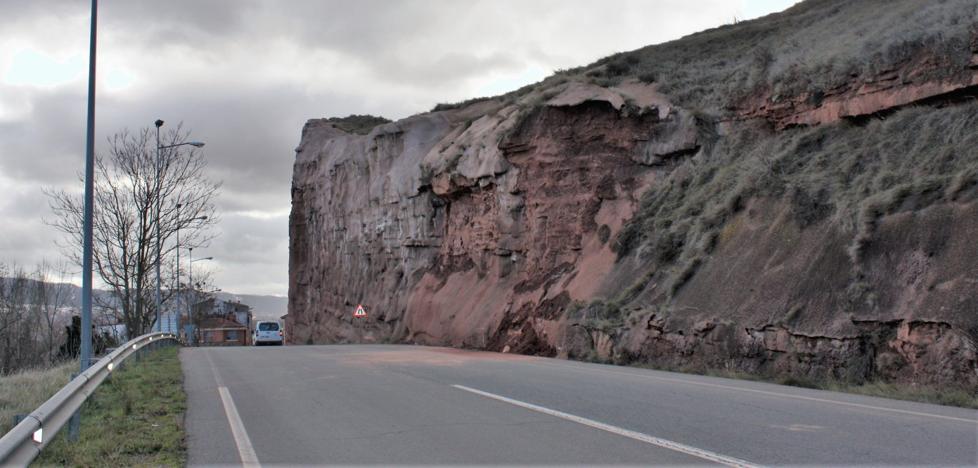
column 360, row 313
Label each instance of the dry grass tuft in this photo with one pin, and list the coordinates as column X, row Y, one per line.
column 812, row 47
column 846, row 173
column 24, row 391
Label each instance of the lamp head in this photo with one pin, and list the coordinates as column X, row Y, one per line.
column 198, row 144
column 159, row 123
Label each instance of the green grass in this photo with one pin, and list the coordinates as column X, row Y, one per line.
column 23, row 392
column 813, row 47
column 135, row 418
column 925, row 394
column 948, row 396
column 846, row 173
column 358, row 124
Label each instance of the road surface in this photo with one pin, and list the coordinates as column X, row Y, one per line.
column 388, row 404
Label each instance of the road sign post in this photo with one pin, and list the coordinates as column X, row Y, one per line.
column 359, row 313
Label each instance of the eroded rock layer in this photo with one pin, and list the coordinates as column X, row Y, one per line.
column 497, row 214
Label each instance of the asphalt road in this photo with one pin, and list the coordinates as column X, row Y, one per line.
column 378, row 404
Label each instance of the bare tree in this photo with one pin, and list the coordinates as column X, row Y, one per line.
column 126, row 192
column 196, row 297
column 29, row 318
column 54, row 301
column 14, row 326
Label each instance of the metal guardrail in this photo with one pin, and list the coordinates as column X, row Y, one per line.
column 26, row 440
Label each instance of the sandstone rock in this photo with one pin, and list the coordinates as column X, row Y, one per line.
column 915, row 81
column 501, row 231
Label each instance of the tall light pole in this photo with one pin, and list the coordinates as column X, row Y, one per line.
column 193, row 290
column 159, row 197
column 180, row 289
column 191, row 267
column 85, row 347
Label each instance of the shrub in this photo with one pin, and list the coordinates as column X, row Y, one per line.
column 359, row 124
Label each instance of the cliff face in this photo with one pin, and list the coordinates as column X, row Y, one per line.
column 822, row 229
column 451, row 225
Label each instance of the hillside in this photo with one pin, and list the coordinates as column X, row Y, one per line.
column 795, row 195
column 264, row 307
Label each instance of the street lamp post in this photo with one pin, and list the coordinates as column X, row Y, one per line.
column 85, row 351
column 179, row 289
column 159, row 197
column 180, row 296
column 85, row 345
column 191, row 266
column 190, row 271
column 193, row 289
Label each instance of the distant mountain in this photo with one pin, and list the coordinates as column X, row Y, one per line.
column 264, row 307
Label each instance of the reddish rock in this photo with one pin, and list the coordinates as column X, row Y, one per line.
column 918, row 80
column 471, row 227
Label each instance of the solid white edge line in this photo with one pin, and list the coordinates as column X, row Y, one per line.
column 245, row 450
column 668, row 444
column 776, row 394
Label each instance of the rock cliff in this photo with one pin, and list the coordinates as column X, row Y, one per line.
column 737, row 199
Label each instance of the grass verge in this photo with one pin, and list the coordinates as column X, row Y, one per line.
column 24, row 391
column 135, row 418
column 897, row 391
column 921, row 393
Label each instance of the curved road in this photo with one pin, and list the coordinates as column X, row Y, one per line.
column 409, row 405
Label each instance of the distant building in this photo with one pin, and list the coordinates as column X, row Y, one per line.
column 221, row 331
column 221, row 323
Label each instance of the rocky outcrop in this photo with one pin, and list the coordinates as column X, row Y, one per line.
column 777, row 299
column 601, row 220
column 500, row 213
column 923, row 78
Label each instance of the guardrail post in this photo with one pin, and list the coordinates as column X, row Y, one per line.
column 74, row 424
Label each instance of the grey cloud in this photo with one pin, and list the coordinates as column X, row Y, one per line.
column 245, row 239
column 393, row 40
column 24, row 243
column 249, row 254
column 45, row 145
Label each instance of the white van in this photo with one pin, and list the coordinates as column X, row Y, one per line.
column 267, row 333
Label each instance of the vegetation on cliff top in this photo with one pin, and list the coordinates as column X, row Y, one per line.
column 813, row 47
column 359, row 124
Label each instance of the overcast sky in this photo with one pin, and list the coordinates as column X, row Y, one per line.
column 245, row 75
